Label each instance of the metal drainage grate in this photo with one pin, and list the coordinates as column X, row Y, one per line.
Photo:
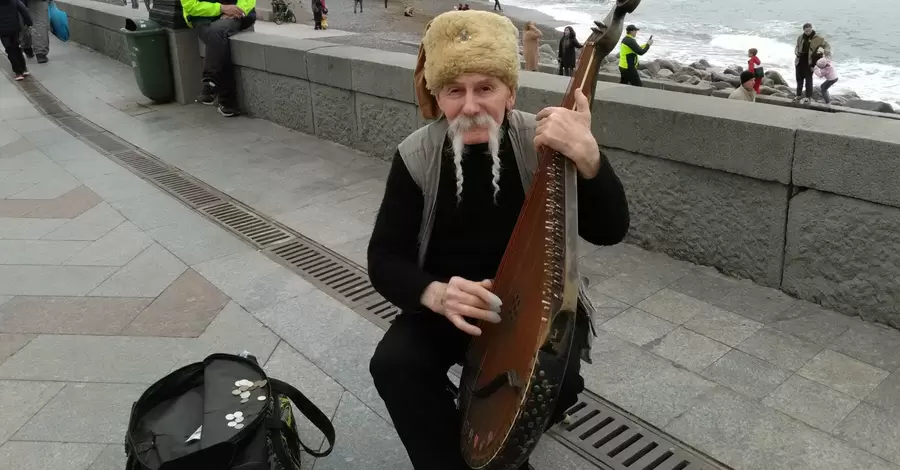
column 143, row 163
column 595, row 430
column 78, row 126
column 108, row 142
column 253, row 228
column 53, row 109
column 186, row 190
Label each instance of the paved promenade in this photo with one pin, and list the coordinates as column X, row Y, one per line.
column 107, row 283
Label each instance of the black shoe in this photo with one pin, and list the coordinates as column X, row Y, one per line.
column 209, row 93
column 228, row 111
column 29, row 52
column 41, row 59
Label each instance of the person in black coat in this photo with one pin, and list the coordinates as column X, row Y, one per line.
column 10, row 10
column 566, row 56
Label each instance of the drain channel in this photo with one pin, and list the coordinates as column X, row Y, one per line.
column 594, row 429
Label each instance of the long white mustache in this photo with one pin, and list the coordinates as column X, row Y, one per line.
column 461, row 125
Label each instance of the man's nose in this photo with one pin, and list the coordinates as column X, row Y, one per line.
column 470, row 105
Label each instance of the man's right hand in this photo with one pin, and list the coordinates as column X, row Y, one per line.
column 232, row 11
column 460, row 299
column 650, row 42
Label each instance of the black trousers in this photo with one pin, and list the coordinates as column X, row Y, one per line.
column 804, row 75
column 825, row 87
column 566, row 71
column 410, row 368
column 13, row 52
column 217, row 67
column 630, row 77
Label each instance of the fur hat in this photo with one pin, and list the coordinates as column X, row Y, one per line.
column 459, row 42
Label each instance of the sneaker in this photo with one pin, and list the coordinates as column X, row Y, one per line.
column 29, row 52
column 20, row 77
column 805, row 101
column 208, row 95
column 228, row 111
column 26, row 73
column 797, row 98
column 42, row 59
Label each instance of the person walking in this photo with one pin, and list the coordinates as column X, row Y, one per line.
column 318, row 10
column 36, row 39
column 566, row 56
column 825, row 69
column 629, row 50
column 752, row 65
column 497, row 6
column 10, row 11
column 809, row 49
column 530, row 42
column 355, row 3
column 745, row 92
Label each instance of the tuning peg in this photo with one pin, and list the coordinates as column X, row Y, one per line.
column 600, row 25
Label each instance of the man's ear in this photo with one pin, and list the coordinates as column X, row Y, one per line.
column 511, row 101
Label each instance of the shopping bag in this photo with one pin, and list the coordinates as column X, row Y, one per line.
column 59, row 22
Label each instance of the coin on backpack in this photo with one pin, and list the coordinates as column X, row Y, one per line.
column 232, row 424
column 230, row 417
column 238, row 426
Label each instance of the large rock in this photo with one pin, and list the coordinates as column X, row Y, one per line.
column 776, row 77
column 730, row 71
column 682, row 77
column 672, row 65
column 723, row 86
column 876, row 106
column 767, row 90
column 664, row 73
column 730, row 79
column 652, row 67
column 785, row 89
column 695, row 81
column 698, row 66
column 768, row 82
column 832, row 242
column 546, row 49
column 705, row 63
column 644, row 74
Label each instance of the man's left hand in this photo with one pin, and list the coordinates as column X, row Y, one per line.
column 569, row 133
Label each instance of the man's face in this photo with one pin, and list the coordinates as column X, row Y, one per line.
column 476, row 105
column 807, row 30
column 748, row 85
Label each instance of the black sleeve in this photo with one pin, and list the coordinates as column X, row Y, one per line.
column 393, row 249
column 603, row 217
column 633, row 44
column 578, row 45
column 23, row 10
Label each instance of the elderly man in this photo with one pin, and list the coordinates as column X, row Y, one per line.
column 453, row 194
column 747, row 90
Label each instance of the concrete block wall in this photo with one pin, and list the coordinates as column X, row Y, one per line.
column 795, row 199
column 96, row 25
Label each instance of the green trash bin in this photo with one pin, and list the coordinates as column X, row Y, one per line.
column 148, row 50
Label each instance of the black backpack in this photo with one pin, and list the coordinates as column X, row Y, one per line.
column 223, row 413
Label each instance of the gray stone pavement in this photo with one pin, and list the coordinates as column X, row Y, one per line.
column 107, row 283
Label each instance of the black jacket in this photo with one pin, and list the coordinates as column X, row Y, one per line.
column 566, row 55
column 9, row 16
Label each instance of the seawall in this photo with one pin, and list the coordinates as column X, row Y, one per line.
column 800, row 200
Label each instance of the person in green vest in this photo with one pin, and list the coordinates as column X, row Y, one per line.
column 629, row 50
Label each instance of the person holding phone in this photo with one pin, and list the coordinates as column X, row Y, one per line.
column 629, row 50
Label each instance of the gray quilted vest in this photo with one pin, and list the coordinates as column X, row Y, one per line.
column 421, row 153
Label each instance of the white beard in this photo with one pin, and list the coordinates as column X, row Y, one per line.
column 458, row 127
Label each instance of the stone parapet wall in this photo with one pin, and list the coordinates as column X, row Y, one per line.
column 805, row 201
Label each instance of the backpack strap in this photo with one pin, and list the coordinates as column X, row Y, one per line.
column 310, row 410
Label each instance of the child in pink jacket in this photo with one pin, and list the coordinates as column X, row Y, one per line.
column 824, row 69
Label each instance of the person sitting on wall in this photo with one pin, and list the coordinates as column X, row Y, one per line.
column 215, row 23
column 747, row 90
column 467, row 78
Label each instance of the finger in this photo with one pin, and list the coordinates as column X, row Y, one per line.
column 488, row 284
column 465, row 298
column 463, row 325
column 474, row 313
column 546, row 112
column 581, row 102
column 478, row 290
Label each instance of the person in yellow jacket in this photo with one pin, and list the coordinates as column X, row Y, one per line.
column 215, row 23
column 629, row 50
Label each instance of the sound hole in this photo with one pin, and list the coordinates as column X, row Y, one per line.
column 513, row 313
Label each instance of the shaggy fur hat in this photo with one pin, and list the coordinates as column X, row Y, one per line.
column 459, row 42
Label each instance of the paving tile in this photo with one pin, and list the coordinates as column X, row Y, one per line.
column 49, row 186
column 367, row 441
column 810, row 402
column 95, row 359
column 91, row 225
column 633, row 274
column 68, row 152
column 51, row 280
column 886, row 395
column 723, row 326
column 69, row 315
column 198, row 240
column 12, row 228
column 843, row 373
column 112, row 458
column 116, row 248
column 67, row 206
column 323, row 224
column 32, row 124
column 233, row 331
column 331, row 336
column 550, row 454
column 355, row 250
column 119, row 186
column 674, row 307
column 47, row 137
column 147, row 275
column 39, row 252
column 781, row 349
column 19, row 401
column 287, row 365
column 691, row 350
column 156, row 210
column 813, row 323
column 744, row 434
column 253, row 280
column 638, row 327
column 22, row 162
column 606, row 307
column 10, row 344
column 84, row 412
column 184, row 309
column 16, row 207
column 746, row 374
column 742, row 297
column 16, row 147
column 876, row 345
column 47, row 455
column 873, row 429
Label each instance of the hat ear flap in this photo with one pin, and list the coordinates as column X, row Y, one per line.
column 428, row 105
